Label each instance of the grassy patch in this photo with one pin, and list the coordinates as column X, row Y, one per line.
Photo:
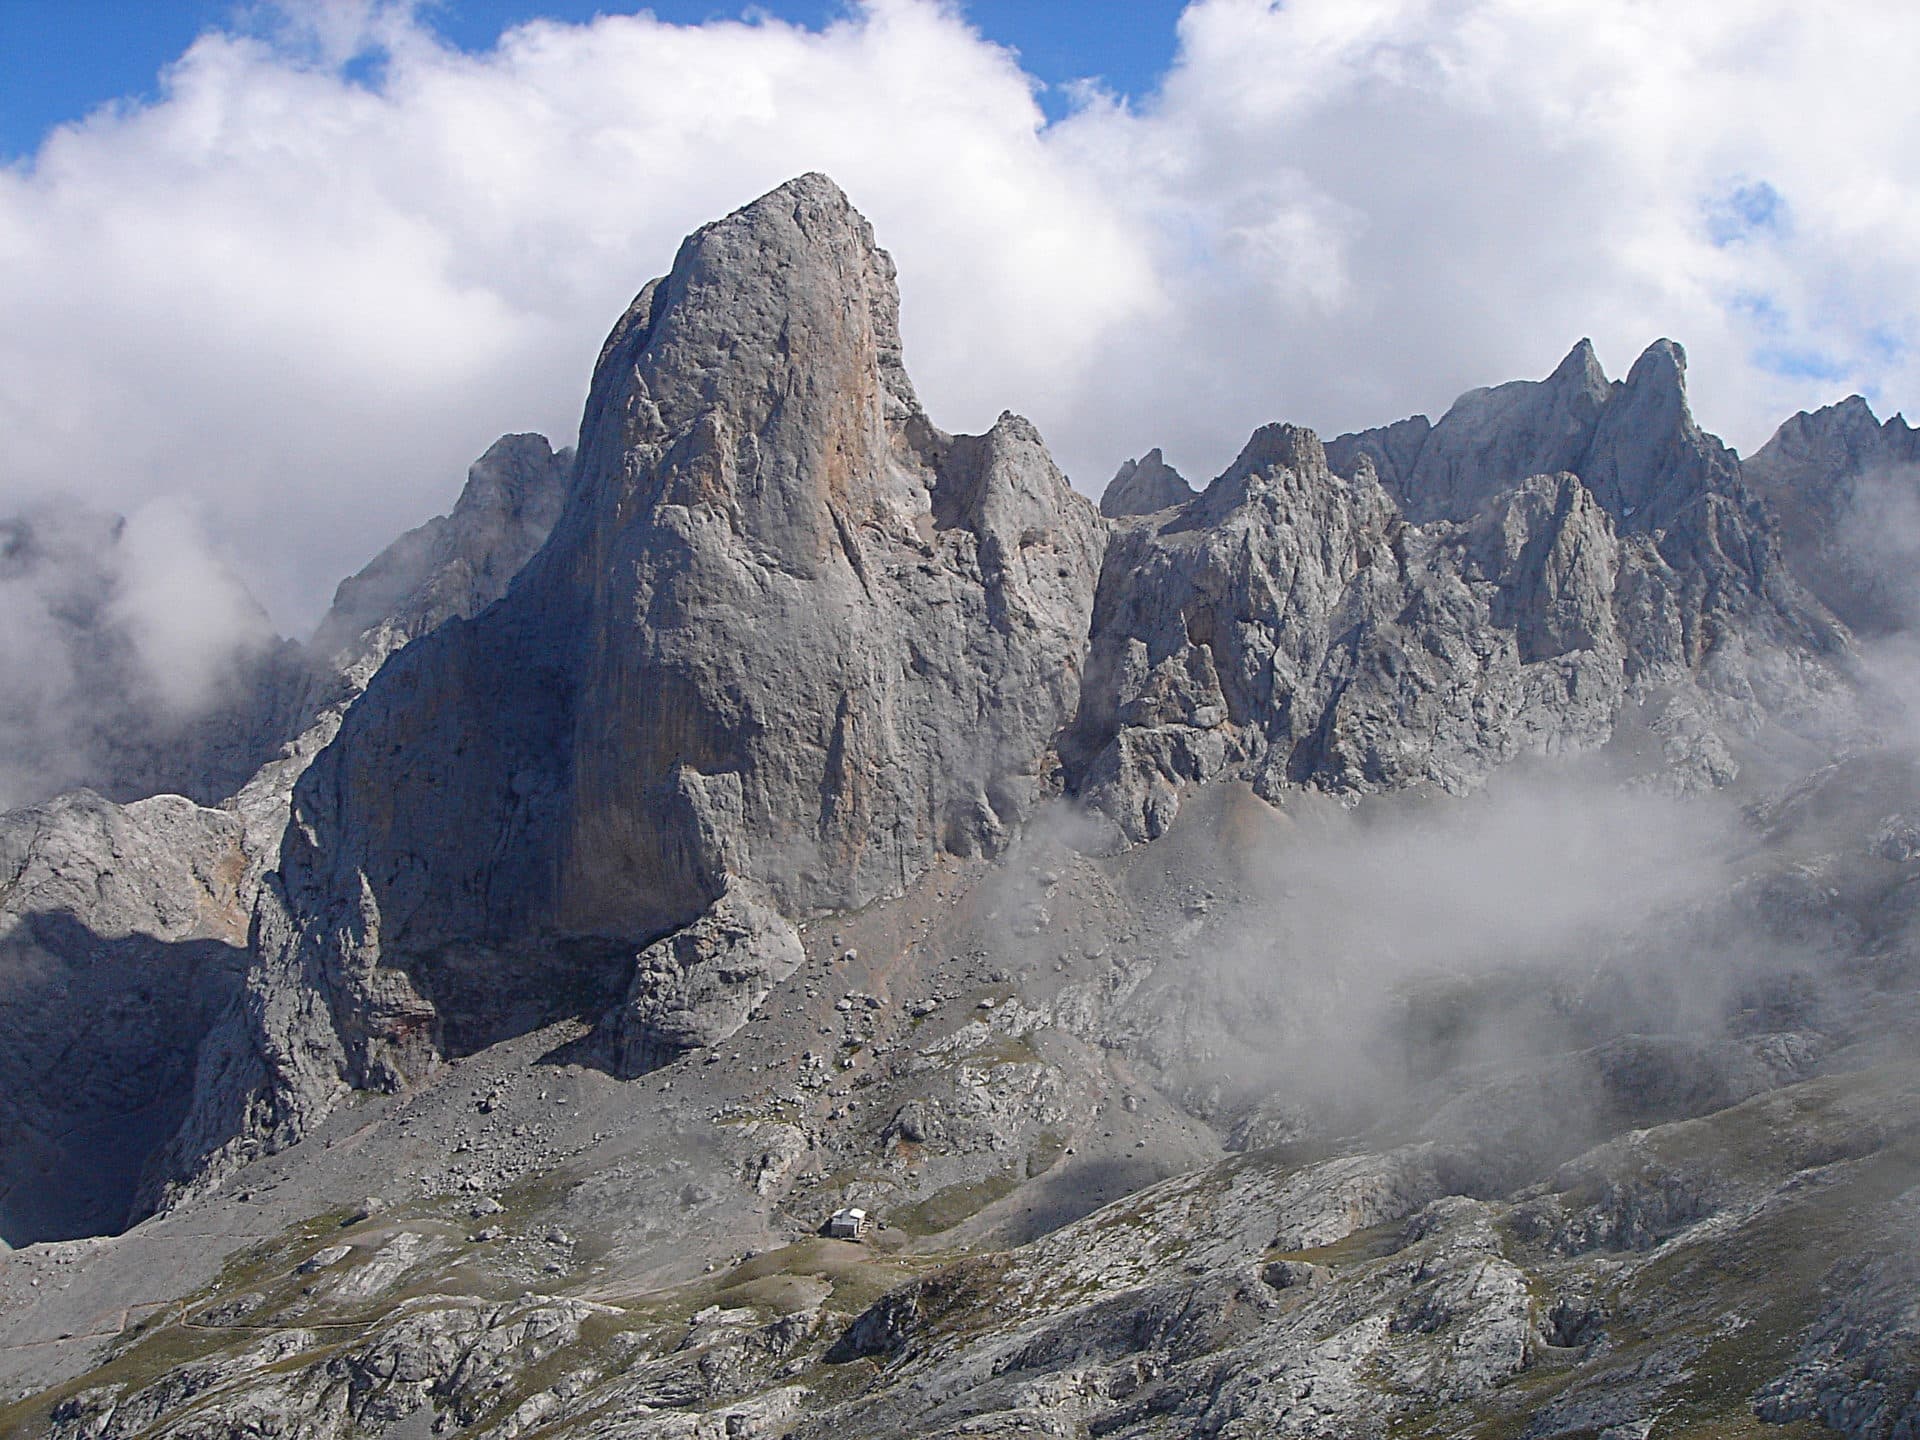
column 1003, row 1050
column 946, row 1208
column 855, row 1276
column 1046, row 1153
column 1376, row 1242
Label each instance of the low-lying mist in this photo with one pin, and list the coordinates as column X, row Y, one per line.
column 1571, row 948
column 1522, row 970
column 114, row 634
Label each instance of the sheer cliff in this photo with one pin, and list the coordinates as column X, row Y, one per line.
column 786, row 637
column 1417, row 936
column 789, row 644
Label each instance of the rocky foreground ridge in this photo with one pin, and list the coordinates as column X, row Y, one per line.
column 1416, row 934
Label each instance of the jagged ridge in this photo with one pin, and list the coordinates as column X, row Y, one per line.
column 790, row 650
column 791, row 642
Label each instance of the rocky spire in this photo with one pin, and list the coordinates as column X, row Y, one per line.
column 1648, row 460
column 1490, row 440
column 786, row 641
column 1143, row 486
column 455, row 565
column 1841, row 483
column 779, row 323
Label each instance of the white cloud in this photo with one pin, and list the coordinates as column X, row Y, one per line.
column 303, row 304
column 180, row 605
column 115, row 634
column 1474, row 185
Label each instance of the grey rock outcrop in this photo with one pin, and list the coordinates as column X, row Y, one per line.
column 785, row 633
column 122, row 945
column 698, row 985
column 450, row 1357
column 453, row 566
column 789, row 640
column 1488, row 442
column 1291, row 625
column 1634, row 442
column 1391, row 450
column 1636, row 446
column 1846, row 488
column 1143, row 486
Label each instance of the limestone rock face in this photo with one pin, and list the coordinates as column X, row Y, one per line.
column 1634, row 442
column 1635, row 445
column 456, row 564
column 1846, row 488
column 129, row 923
column 1391, row 450
column 1488, row 442
column 700, row 984
column 784, row 632
column 601, row 744
column 122, row 943
column 451, row 568
column 786, row 642
column 1292, row 626
column 1140, row 487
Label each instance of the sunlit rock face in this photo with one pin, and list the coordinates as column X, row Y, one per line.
column 785, row 632
column 1489, row 441
column 1468, row 979
column 1439, row 600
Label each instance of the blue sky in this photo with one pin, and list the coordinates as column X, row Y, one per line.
column 63, row 58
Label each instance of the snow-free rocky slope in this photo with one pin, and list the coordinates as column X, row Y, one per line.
column 1413, row 938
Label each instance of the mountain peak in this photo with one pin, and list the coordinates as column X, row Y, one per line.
column 814, row 186
column 771, row 594
column 454, row 564
column 1830, row 475
column 1144, row 486
column 812, row 738
column 1581, row 367
column 780, row 321
column 1661, row 366
column 1291, row 447
column 1493, row 438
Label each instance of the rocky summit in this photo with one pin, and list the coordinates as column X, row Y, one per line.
column 781, row 921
